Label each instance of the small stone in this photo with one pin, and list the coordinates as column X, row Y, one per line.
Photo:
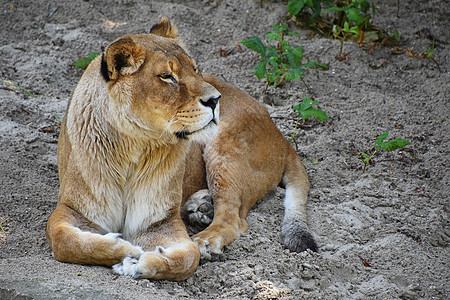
column 145, row 283
column 306, row 265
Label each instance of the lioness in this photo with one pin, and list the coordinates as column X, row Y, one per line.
column 124, row 143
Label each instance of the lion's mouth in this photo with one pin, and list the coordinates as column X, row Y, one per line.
column 183, row 134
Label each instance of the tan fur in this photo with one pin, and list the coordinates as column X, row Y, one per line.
column 249, row 158
column 122, row 154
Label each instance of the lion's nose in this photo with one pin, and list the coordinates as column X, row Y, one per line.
column 211, row 101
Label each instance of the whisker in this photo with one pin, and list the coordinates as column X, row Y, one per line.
column 172, row 121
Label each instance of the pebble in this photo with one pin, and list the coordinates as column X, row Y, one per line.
column 306, row 265
column 328, row 247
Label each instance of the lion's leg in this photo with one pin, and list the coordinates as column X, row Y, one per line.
column 226, row 226
column 235, row 185
column 169, row 253
column 230, row 212
column 198, row 210
column 72, row 244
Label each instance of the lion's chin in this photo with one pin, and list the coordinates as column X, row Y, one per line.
column 203, row 135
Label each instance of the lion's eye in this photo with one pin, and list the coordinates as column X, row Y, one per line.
column 168, row 78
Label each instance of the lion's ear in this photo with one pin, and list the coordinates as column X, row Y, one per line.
column 165, row 29
column 122, row 57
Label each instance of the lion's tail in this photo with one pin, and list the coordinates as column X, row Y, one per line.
column 295, row 231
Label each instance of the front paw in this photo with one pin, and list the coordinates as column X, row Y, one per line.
column 128, row 267
column 210, row 249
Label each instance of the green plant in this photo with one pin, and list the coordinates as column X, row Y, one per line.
column 342, row 34
column 279, row 60
column 1, row 227
column 341, row 19
column 83, row 62
column 395, row 35
column 305, row 110
column 352, row 22
column 381, row 144
column 294, row 7
column 354, row 12
column 18, row 86
column 425, row 54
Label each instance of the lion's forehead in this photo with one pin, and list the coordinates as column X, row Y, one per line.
column 160, row 60
column 163, row 45
column 178, row 60
column 162, row 52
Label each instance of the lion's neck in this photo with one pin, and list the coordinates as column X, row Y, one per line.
column 128, row 157
column 104, row 134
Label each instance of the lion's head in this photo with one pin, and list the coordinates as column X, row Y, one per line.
column 159, row 87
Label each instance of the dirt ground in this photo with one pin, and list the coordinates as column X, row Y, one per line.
column 394, row 216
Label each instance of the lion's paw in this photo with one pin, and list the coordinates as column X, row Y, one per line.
column 200, row 209
column 210, row 250
column 128, row 267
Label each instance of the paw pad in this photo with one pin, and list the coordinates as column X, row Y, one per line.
column 200, row 209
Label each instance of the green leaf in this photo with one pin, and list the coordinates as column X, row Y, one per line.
column 93, row 55
column 306, row 110
column 355, row 30
column 271, row 52
column 364, row 4
column 305, row 104
column 354, row 15
column 295, row 56
column 279, row 28
column 295, row 74
column 312, row 63
column 273, row 36
column 274, row 61
column 316, row 113
column 346, row 27
column 395, row 35
column 295, row 6
column 84, row 62
column 255, row 44
column 379, row 140
column 282, row 28
column 429, row 52
column 260, row 69
column 317, row 9
column 395, row 144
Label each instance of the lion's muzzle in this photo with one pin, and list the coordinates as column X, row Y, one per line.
column 211, row 101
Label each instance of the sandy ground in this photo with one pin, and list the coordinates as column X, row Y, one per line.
column 394, row 215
